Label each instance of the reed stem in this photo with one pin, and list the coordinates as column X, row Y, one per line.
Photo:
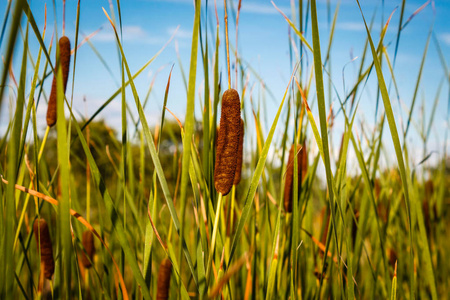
column 214, row 235
column 27, row 198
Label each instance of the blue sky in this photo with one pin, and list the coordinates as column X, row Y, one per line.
column 263, row 43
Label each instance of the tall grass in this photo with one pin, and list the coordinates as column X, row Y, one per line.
column 131, row 217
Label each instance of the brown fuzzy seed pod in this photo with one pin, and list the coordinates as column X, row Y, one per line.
column 304, row 159
column 429, row 189
column 227, row 142
column 377, row 187
column 89, row 247
column 383, row 211
column 41, row 233
column 302, row 168
column 238, row 171
column 165, row 271
column 217, row 134
column 64, row 54
column 392, row 257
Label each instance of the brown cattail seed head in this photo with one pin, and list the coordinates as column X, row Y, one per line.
column 392, row 257
column 238, row 171
column 64, row 60
column 89, row 247
column 302, row 163
column 377, row 187
column 165, row 271
column 429, row 189
column 44, row 241
column 227, row 142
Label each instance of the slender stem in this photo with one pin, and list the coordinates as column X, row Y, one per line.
column 213, row 240
column 228, row 47
column 233, row 196
column 64, row 18
column 86, row 283
column 51, row 287
column 88, row 206
column 236, row 51
column 27, row 198
column 88, row 181
column 41, row 150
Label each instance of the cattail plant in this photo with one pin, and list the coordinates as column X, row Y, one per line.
column 64, row 60
column 392, row 256
column 227, row 142
column 226, row 156
column 302, row 163
column 429, row 189
column 240, row 153
column 326, row 223
column 43, row 240
column 89, row 247
column 377, row 187
column 163, row 285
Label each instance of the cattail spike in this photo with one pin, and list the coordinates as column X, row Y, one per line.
column 163, row 285
column 43, row 240
column 64, row 60
column 302, row 163
column 227, row 142
column 289, row 180
column 89, row 247
column 392, row 254
column 238, row 171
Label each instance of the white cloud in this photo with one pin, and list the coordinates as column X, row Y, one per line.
column 254, row 7
column 134, row 32
column 180, row 33
column 351, row 26
column 445, row 37
column 407, row 58
column 191, row 2
column 131, row 33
